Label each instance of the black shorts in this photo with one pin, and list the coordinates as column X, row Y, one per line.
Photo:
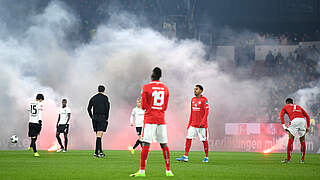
column 139, row 130
column 63, row 128
column 34, row 129
column 99, row 123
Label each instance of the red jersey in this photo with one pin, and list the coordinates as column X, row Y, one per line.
column 199, row 112
column 154, row 100
column 294, row 111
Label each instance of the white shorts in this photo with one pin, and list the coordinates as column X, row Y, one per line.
column 298, row 125
column 202, row 133
column 154, row 133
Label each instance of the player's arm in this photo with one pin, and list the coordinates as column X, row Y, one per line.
column 58, row 120
column 132, row 117
column 307, row 117
column 90, row 105
column 282, row 113
column 108, row 109
column 206, row 113
column 144, row 99
column 40, row 109
column 69, row 116
column 166, row 100
column 189, row 123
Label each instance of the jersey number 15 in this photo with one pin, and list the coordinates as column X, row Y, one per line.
column 33, row 109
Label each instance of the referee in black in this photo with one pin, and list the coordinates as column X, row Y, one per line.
column 101, row 106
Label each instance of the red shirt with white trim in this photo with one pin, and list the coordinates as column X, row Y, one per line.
column 294, row 111
column 199, row 112
column 154, row 100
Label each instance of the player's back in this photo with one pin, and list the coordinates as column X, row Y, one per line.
column 155, row 97
column 35, row 111
column 294, row 111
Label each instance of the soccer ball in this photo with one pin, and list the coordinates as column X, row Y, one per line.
column 14, row 139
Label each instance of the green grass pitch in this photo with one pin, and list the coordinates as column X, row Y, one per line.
column 21, row 165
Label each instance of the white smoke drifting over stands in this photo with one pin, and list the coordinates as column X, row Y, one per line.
column 121, row 56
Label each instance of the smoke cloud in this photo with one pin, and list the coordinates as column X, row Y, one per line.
column 36, row 56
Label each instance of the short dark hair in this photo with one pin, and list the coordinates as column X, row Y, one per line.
column 289, row 101
column 200, row 87
column 101, row 88
column 40, row 97
column 64, row 99
column 156, row 73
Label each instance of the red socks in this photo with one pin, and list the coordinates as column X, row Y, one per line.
column 289, row 148
column 166, row 156
column 303, row 150
column 144, row 155
column 188, row 145
column 206, row 148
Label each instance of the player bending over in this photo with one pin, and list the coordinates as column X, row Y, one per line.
column 299, row 124
column 137, row 114
column 155, row 97
column 63, row 125
column 35, row 121
column 198, row 124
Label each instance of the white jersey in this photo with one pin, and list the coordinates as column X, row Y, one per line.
column 137, row 113
column 63, row 112
column 35, row 111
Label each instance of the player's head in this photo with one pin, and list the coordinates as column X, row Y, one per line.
column 40, row 97
column 101, row 88
column 289, row 101
column 64, row 102
column 198, row 89
column 156, row 74
column 138, row 102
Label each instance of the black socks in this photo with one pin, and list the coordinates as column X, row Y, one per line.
column 98, row 145
column 137, row 144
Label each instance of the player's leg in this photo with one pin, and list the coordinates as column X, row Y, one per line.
column 191, row 135
column 59, row 140
column 33, row 143
column 303, row 148
column 103, row 130
column 144, row 155
column 95, row 129
column 99, row 135
column 34, row 130
column 161, row 137
column 138, row 142
column 147, row 136
column 166, row 156
column 203, row 136
column 301, row 129
column 289, row 147
column 65, row 134
column 30, row 134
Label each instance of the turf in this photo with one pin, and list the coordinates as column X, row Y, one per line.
column 21, row 165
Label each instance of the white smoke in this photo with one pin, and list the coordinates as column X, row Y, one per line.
column 121, row 56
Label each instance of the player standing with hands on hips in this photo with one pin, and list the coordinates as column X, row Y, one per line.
column 154, row 100
column 101, row 106
column 299, row 124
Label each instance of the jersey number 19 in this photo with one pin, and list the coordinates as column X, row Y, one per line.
column 158, row 98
